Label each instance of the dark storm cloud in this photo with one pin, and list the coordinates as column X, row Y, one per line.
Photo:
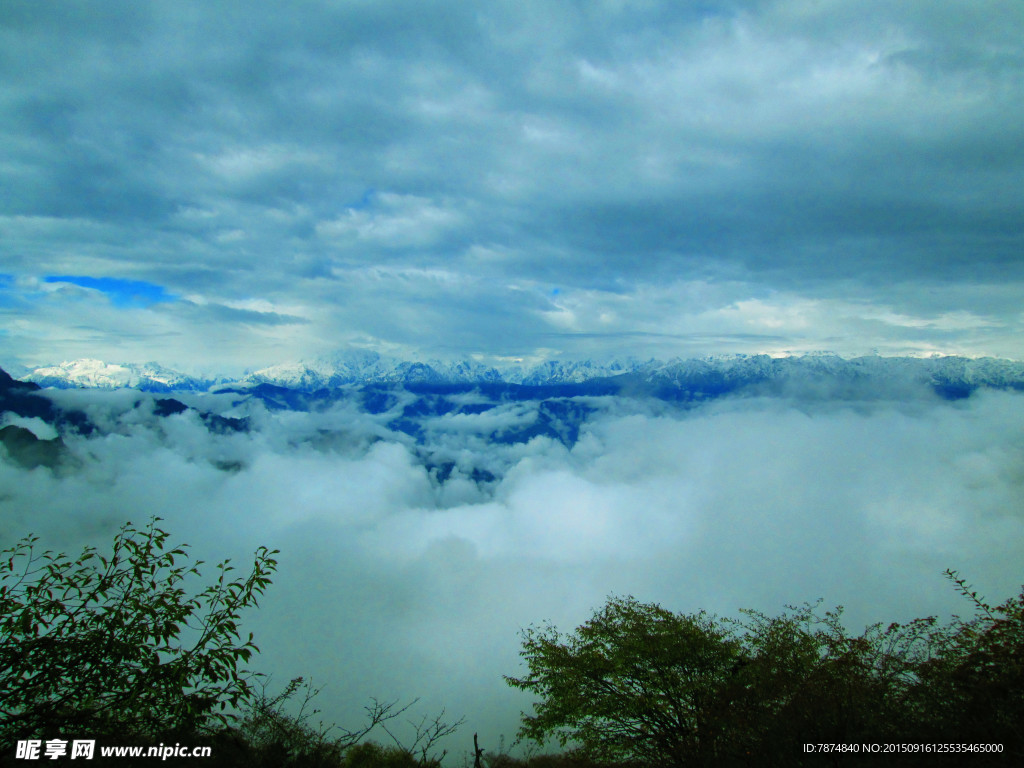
column 795, row 152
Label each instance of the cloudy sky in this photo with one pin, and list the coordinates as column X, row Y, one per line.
column 223, row 185
column 219, row 186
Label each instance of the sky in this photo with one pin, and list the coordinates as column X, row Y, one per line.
column 219, row 186
column 225, row 186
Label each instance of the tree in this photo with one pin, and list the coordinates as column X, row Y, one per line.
column 634, row 683
column 974, row 684
column 642, row 685
column 808, row 680
column 638, row 683
column 115, row 645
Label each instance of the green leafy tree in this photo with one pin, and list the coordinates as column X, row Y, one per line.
column 634, row 683
column 115, row 645
column 642, row 685
column 973, row 685
column 806, row 679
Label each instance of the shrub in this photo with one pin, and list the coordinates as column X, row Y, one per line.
column 640, row 684
column 113, row 645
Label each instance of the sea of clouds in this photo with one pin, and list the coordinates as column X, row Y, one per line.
column 394, row 584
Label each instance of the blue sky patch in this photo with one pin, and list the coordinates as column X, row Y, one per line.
column 7, row 295
column 122, row 293
column 364, row 202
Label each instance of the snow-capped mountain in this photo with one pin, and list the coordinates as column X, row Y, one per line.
column 439, row 406
column 820, row 374
column 96, row 374
column 325, row 372
column 576, row 371
column 827, row 375
column 364, row 367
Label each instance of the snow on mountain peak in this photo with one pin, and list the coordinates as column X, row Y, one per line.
column 97, row 374
column 720, row 373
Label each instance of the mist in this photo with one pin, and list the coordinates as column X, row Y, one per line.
column 409, row 564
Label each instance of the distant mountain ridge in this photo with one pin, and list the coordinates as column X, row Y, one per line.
column 689, row 378
column 825, row 375
column 329, row 372
column 364, row 367
column 439, row 409
column 97, row 374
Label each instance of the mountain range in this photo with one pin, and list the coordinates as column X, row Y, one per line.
column 948, row 376
column 97, row 374
column 443, row 411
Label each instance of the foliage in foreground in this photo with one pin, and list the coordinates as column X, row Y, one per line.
column 114, row 644
column 115, row 648
column 638, row 684
column 276, row 738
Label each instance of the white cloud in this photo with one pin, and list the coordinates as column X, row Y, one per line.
column 391, row 585
column 786, row 156
column 243, row 163
column 35, row 425
column 395, row 221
